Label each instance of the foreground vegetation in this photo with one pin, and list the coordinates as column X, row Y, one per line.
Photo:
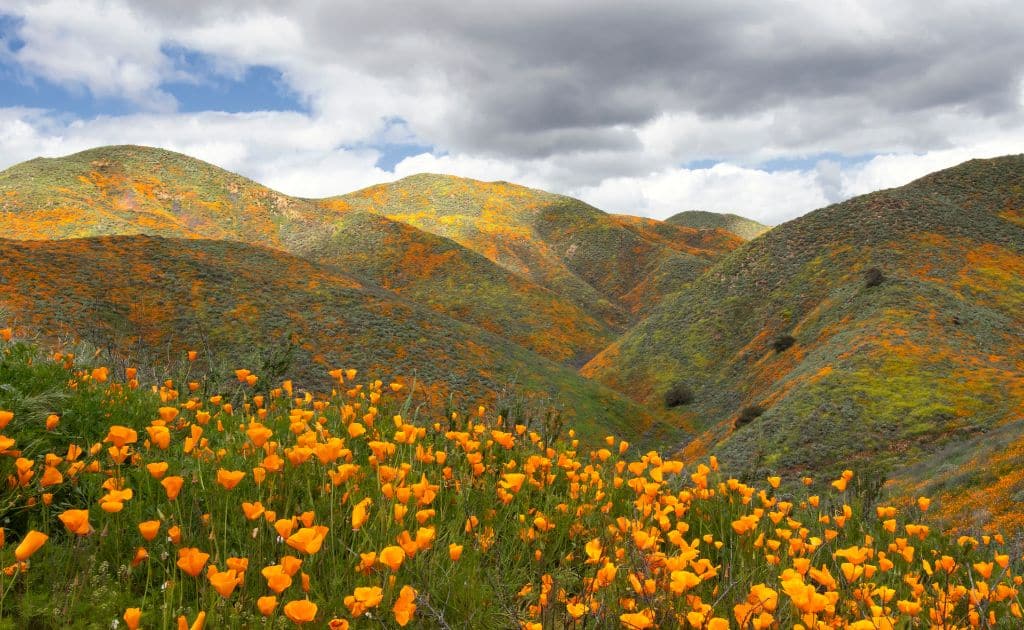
column 263, row 506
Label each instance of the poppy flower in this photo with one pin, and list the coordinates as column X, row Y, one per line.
column 149, row 529
column 253, row 510
column 131, row 617
column 229, row 478
column 30, row 544
column 308, row 539
column 359, row 513
column 575, row 610
column 157, row 470
column 454, row 552
column 120, row 436
column 362, row 599
column 300, row 611
column 636, row 621
column 405, row 605
column 167, row 414
column 77, row 521
column 159, row 435
column 291, row 564
column 192, row 560
column 277, row 579
column 266, row 605
column 392, row 557
column 51, row 477
column 224, row 582
column 172, row 485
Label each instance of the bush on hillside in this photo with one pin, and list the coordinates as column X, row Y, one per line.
column 747, row 415
column 873, row 277
column 783, row 342
column 678, row 394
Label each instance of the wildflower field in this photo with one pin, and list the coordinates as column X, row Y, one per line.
column 253, row 504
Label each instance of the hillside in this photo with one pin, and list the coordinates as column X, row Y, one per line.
column 125, row 190
column 745, row 228
column 438, row 273
column 594, row 259
column 919, row 367
column 150, row 299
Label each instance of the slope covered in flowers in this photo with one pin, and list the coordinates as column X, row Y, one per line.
column 257, row 505
column 150, row 298
column 886, row 331
column 131, row 190
column 593, row 258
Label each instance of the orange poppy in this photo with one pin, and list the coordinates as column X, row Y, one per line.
column 77, row 521
column 149, row 529
column 192, row 560
column 173, row 486
column 131, row 617
column 266, row 605
column 229, row 478
column 300, row 611
column 30, row 544
column 392, row 557
column 405, row 605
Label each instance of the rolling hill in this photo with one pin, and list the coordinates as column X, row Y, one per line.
column 905, row 314
column 608, row 265
column 152, row 298
column 745, row 228
column 124, row 190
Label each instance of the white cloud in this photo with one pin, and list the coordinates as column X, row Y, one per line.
column 766, row 197
column 104, row 47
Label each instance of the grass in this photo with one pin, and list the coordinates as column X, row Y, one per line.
column 467, row 520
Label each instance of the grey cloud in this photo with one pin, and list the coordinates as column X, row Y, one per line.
column 542, row 80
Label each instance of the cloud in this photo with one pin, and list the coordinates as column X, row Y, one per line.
column 605, row 100
column 757, row 194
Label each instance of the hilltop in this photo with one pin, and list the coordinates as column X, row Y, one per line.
column 877, row 333
column 743, row 227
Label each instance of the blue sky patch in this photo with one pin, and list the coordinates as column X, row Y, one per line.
column 392, row 154
column 260, row 88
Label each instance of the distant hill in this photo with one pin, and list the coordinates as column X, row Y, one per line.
column 905, row 310
column 150, row 299
column 592, row 258
column 125, row 190
column 746, row 229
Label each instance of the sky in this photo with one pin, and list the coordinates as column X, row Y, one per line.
column 769, row 109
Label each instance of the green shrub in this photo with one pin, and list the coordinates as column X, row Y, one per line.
column 783, row 343
column 873, row 277
column 678, row 394
column 748, row 414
